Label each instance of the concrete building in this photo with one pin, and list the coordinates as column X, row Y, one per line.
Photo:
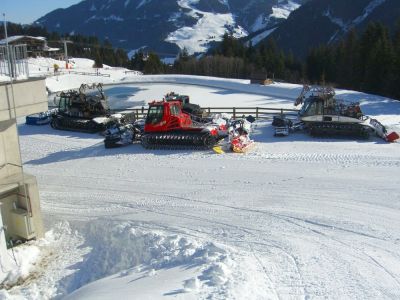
column 19, row 197
column 36, row 45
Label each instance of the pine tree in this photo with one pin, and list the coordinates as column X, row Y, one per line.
column 394, row 76
column 377, row 58
column 153, row 64
column 137, row 61
column 347, row 59
column 121, row 58
column 98, row 61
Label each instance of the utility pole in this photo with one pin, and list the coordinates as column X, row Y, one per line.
column 10, row 69
column 65, row 42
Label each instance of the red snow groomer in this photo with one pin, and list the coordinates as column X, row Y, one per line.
column 167, row 127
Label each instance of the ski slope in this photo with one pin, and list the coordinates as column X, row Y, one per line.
column 296, row 218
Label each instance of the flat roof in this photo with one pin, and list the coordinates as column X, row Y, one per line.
column 14, row 38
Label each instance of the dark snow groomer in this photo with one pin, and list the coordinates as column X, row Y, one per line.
column 81, row 111
column 322, row 114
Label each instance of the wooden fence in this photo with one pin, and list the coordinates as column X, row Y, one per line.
column 236, row 112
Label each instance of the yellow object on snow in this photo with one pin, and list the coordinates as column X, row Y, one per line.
column 218, row 150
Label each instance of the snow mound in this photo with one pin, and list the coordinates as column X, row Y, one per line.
column 104, row 258
column 124, row 250
column 20, row 262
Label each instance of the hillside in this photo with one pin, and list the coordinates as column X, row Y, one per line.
column 168, row 25
column 327, row 21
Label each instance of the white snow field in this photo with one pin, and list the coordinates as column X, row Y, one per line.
column 295, row 218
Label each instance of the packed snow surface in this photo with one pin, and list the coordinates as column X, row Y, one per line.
column 295, row 218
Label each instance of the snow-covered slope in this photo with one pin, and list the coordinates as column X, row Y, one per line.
column 281, row 10
column 167, row 26
column 296, row 218
column 209, row 27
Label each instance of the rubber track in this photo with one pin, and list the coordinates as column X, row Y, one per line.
column 179, row 140
column 321, row 129
column 77, row 125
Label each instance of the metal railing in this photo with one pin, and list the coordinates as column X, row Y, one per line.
column 14, row 61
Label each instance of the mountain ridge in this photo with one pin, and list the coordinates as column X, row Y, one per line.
column 167, row 26
column 320, row 22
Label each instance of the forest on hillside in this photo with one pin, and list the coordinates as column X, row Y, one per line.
column 367, row 61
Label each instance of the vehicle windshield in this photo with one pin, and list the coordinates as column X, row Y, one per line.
column 305, row 107
column 155, row 114
column 175, row 111
column 63, row 104
column 311, row 107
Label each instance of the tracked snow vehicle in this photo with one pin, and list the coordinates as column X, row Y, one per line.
column 81, row 111
column 168, row 127
column 323, row 114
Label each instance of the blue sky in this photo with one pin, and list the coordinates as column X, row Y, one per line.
column 27, row 11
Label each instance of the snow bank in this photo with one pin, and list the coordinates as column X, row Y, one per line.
column 127, row 250
column 103, row 249
column 126, row 259
column 17, row 265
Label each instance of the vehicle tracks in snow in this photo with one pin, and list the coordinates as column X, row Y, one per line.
column 287, row 286
column 288, row 219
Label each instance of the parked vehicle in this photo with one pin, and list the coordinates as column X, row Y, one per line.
column 82, row 111
column 323, row 114
column 167, row 126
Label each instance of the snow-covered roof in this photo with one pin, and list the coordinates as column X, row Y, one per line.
column 14, row 38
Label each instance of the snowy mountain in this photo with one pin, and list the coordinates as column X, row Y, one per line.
column 168, row 25
column 327, row 21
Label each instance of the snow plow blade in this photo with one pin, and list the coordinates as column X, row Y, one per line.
column 392, row 137
column 381, row 131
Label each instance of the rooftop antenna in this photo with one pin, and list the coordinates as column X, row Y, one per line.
column 7, row 48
